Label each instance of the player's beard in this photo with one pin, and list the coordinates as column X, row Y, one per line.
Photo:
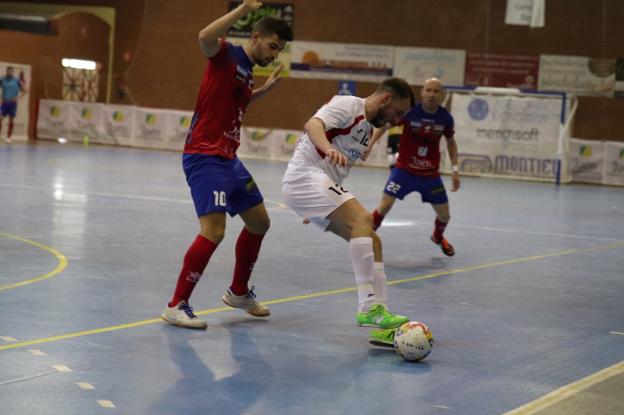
column 379, row 120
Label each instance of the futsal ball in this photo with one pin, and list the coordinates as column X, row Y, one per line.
column 413, row 341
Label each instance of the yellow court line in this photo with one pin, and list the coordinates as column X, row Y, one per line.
column 62, row 263
column 568, row 390
column 312, row 295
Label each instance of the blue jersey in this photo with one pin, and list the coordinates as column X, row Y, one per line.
column 10, row 88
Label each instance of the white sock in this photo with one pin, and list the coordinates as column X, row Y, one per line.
column 379, row 284
column 362, row 258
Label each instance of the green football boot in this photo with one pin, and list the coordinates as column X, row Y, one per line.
column 378, row 316
column 383, row 337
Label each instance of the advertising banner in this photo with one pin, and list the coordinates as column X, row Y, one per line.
column 586, row 158
column 525, row 12
column 53, row 119
column 244, row 26
column 577, row 74
column 85, row 123
column 357, row 62
column 150, row 127
column 118, row 122
column 614, row 163
column 415, row 65
column 505, row 71
column 178, row 123
column 255, row 143
column 283, row 143
column 511, row 136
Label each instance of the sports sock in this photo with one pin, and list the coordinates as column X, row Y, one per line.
column 439, row 229
column 247, row 249
column 362, row 258
column 195, row 262
column 377, row 219
column 379, row 284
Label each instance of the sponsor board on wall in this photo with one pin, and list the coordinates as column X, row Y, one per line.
column 416, row 65
column 244, row 26
column 586, row 158
column 53, row 118
column 118, row 123
column 510, row 136
column 22, row 73
column 85, row 123
column 150, row 127
column 178, row 124
column 577, row 74
column 357, row 62
column 614, row 163
column 283, row 143
column 255, row 143
column 506, row 71
column 525, row 12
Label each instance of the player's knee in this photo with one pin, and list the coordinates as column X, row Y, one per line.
column 365, row 222
column 259, row 227
column 444, row 217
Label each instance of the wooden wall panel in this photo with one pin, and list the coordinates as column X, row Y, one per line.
column 157, row 58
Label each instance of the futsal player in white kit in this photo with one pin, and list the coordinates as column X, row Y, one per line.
column 334, row 138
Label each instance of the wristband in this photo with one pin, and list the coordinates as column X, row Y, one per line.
column 455, row 169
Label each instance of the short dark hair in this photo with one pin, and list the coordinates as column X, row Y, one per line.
column 398, row 87
column 269, row 25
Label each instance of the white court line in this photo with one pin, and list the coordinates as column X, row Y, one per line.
column 617, row 332
column 400, row 222
column 62, row 368
column 35, row 352
column 85, row 385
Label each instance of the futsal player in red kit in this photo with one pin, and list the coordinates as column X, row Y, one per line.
column 218, row 180
column 417, row 167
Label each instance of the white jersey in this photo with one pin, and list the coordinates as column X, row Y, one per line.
column 346, row 129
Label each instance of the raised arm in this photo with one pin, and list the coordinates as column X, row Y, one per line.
column 271, row 80
column 315, row 129
column 209, row 35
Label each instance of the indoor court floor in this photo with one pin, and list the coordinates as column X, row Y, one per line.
column 528, row 316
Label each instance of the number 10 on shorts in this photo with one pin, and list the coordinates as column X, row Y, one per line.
column 219, row 198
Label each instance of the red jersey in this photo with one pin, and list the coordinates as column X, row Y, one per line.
column 223, row 97
column 419, row 150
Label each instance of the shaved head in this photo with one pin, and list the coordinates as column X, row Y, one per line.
column 431, row 94
column 433, row 82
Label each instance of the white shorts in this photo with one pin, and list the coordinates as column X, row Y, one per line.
column 314, row 197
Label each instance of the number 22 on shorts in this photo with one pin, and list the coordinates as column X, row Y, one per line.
column 393, row 187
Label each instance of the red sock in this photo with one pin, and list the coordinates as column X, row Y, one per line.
column 195, row 262
column 439, row 229
column 377, row 219
column 247, row 249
